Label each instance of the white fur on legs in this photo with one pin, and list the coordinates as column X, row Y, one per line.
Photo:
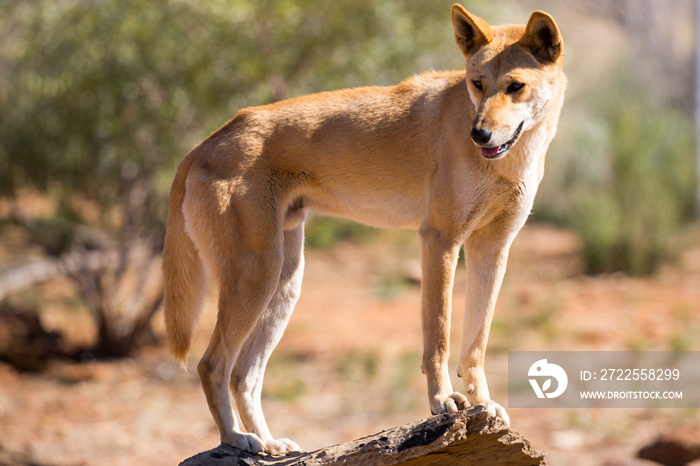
column 495, row 409
column 448, row 404
column 249, row 370
column 214, row 373
column 482, row 252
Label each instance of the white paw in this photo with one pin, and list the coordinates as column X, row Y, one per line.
column 449, row 404
column 281, row 446
column 246, row 442
column 495, row 409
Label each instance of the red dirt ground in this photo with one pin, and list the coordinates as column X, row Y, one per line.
column 349, row 364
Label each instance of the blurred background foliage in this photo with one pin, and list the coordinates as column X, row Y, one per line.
column 621, row 171
column 100, row 101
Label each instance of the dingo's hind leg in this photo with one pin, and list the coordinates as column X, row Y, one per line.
column 248, row 372
column 243, row 296
column 215, row 372
column 243, row 252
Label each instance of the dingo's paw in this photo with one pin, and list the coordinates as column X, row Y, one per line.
column 495, row 409
column 449, row 404
column 281, row 446
column 250, row 443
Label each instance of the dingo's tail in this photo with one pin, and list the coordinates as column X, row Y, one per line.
column 183, row 273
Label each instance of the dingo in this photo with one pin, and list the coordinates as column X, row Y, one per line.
column 456, row 156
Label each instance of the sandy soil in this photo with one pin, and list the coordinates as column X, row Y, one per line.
column 349, row 364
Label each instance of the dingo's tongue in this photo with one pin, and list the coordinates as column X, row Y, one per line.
column 489, row 151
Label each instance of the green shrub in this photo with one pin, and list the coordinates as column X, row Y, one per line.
column 324, row 232
column 627, row 218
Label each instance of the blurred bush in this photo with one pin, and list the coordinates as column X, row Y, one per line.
column 627, row 220
column 102, row 99
column 324, row 232
column 625, row 178
column 621, row 170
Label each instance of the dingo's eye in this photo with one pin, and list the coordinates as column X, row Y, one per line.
column 477, row 85
column 514, row 87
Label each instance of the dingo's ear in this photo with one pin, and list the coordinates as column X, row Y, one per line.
column 471, row 32
column 543, row 38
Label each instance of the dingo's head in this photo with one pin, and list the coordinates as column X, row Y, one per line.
column 513, row 73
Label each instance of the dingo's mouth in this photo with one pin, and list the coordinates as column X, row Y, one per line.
column 498, row 151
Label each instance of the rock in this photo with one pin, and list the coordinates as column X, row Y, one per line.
column 469, row 437
column 674, row 448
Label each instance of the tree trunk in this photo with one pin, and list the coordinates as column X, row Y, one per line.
column 469, row 437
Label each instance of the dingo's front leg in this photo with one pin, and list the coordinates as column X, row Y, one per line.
column 486, row 257
column 439, row 259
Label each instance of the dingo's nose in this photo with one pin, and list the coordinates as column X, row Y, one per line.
column 481, row 136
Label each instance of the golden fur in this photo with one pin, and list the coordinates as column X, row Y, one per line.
column 456, row 156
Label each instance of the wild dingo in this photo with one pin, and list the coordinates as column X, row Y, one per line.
column 456, row 156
